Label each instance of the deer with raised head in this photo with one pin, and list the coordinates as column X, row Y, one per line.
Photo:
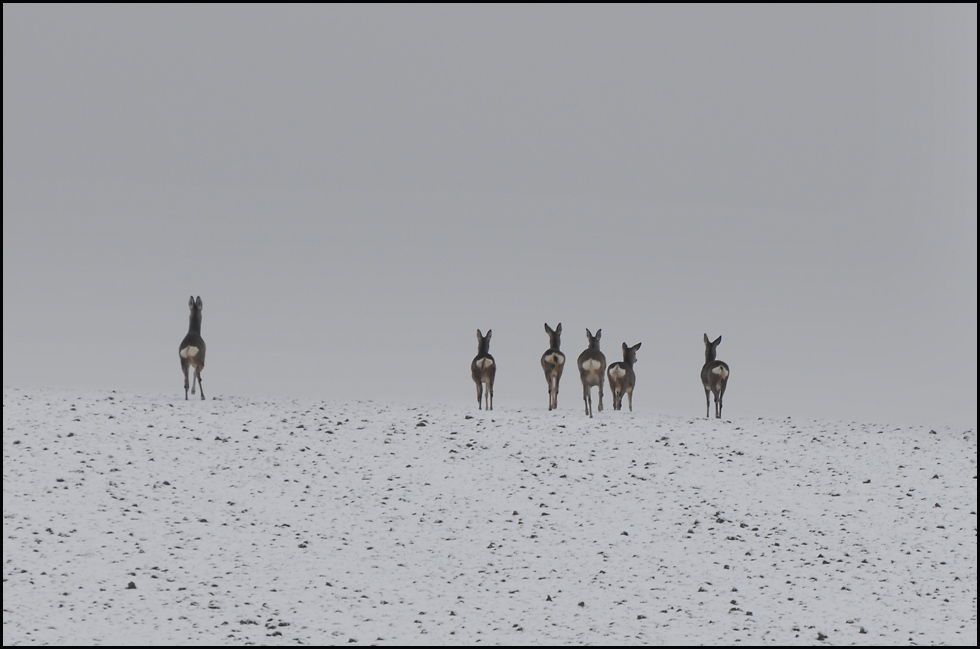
column 483, row 368
column 622, row 378
column 192, row 348
column 553, row 362
column 592, row 369
column 714, row 377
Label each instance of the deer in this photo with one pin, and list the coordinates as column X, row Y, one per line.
column 483, row 368
column 622, row 378
column 714, row 377
column 192, row 348
column 591, row 369
column 553, row 362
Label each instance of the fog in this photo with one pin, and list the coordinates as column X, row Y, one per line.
column 353, row 191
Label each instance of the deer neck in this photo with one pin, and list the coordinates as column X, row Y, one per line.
column 195, row 325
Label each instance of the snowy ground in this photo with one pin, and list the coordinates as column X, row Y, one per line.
column 148, row 519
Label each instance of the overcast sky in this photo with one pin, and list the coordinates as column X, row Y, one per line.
column 353, row 191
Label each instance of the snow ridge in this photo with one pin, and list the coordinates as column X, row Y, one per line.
column 147, row 519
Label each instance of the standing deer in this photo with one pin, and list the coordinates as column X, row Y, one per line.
column 714, row 377
column 192, row 348
column 553, row 362
column 622, row 378
column 592, row 368
column 483, row 369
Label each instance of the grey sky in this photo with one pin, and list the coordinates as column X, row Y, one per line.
column 353, row 191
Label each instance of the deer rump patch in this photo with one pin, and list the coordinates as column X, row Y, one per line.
column 617, row 372
column 591, row 365
column 484, row 363
column 189, row 352
column 555, row 359
column 720, row 371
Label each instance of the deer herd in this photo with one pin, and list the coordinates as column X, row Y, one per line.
column 593, row 372
column 591, row 367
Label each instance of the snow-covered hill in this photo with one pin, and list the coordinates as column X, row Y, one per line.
column 148, row 519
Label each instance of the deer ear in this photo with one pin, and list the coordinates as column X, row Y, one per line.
column 625, row 347
column 190, row 303
column 200, row 303
column 598, row 334
column 479, row 336
column 558, row 328
column 489, row 333
column 636, row 346
column 717, row 340
column 547, row 329
column 589, row 333
column 705, row 339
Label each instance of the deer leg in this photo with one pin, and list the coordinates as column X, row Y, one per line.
column 707, row 403
column 197, row 375
column 183, row 366
column 587, row 397
column 490, row 394
column 479, row 394
column 629, row 396
column 600, row 392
